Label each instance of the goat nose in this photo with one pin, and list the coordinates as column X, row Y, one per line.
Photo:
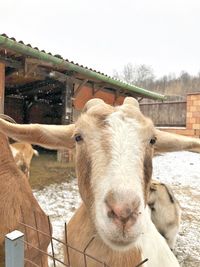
column 123, row 214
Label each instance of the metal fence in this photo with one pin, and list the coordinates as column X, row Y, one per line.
column 16, row 244
column 172, row 114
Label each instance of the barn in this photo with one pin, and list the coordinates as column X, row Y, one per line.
column 38, row 87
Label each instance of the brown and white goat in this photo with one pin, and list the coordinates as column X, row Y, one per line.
column 18, row 205
column 23, row 154
column 165, row 211
column 114, row 150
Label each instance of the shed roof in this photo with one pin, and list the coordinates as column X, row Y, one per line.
column 18, row 56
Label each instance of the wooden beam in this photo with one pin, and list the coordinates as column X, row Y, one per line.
column 34, row 70
column 56, row 75
column 79, row 87
column 38, row 62
column 29, row 68
column 2, row 86
column 140, row 99
column 11, row 63
column 98, row 88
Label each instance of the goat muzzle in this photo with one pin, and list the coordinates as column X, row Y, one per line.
column 123, row 214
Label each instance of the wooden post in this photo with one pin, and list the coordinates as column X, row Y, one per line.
column 67, row 118
column 67, row 102
column 2, row 86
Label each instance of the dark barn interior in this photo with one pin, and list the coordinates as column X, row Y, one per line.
column 45, row 88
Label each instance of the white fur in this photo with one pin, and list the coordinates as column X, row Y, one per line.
column 122, row 176
column 154, row 247
column 14, row 151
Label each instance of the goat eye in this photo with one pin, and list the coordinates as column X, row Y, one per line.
column 78, row 138
column 153, row 141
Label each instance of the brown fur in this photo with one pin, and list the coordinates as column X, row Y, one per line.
column 24, row 156
column 97, row 248
column 147, row 173
column 17, row 204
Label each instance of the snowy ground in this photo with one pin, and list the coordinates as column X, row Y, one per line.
column 180, row 169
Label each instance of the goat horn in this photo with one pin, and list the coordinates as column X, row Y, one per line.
column 131, row 101
column 92, row 102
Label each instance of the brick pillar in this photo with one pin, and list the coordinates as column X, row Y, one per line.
column 193, row 114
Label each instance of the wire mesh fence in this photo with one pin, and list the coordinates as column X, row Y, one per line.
column 35, row 255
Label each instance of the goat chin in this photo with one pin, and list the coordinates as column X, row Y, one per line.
column 150, row 244
column 119, row 239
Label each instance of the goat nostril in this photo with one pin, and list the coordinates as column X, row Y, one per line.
column 121, row 214
column 111, row 214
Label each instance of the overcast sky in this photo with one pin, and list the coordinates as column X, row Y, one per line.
column 107, row 34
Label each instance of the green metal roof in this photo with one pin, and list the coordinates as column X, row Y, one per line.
column 58, row 61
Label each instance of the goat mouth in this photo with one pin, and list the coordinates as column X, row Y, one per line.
column 120, row 241
column 120, row 244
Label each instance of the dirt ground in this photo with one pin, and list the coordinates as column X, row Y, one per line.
column 181, row 170
column 46, row 170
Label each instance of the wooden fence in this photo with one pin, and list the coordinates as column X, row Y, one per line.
column 171, row 114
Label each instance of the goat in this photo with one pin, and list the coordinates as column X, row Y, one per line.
column 165, row 211
column 23, row 153
column 18, row 206
column 114, row 150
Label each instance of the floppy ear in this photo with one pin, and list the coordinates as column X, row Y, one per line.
column 49, row 136
column 169, row 142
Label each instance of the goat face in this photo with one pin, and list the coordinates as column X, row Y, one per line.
column 114, row 166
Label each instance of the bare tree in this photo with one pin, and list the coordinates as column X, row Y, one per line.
column 140, row 75
column 170, row 84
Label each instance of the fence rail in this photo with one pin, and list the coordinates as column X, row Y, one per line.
column 172, row 114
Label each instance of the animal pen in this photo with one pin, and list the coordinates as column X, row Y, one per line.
column 38, row 87
column 47, row 89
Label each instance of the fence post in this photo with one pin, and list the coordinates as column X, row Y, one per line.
column 14, row 249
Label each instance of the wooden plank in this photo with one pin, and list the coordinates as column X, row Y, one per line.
column 67, row 102
column 38, row 62
column 166, row 114
column 2, row 87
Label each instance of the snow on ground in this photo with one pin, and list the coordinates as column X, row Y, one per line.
column 180, row 169
column 59, row 201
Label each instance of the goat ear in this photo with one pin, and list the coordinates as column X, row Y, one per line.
column 49, row 136
column 169, row 142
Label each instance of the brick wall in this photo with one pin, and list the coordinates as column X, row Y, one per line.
column 192, row 118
